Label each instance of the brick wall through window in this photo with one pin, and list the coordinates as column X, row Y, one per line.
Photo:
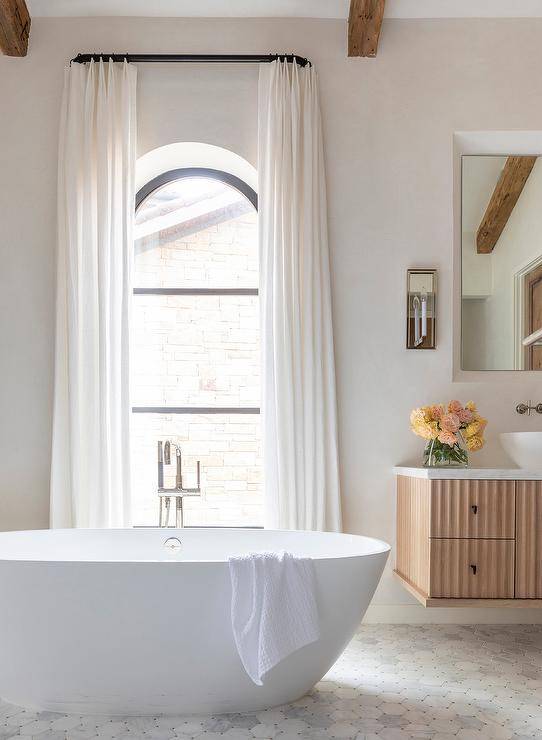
column 197, row 350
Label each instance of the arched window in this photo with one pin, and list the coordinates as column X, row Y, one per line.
column 195, row 345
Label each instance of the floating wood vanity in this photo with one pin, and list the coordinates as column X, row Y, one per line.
column 470, row 537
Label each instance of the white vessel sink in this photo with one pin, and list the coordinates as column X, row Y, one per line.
column 525, row 449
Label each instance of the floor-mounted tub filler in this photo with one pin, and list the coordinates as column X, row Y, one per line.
column 121, row 622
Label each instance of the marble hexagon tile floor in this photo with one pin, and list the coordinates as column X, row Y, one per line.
column 392, row 682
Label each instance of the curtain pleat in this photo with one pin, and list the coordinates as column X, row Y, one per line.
column 90, row 474
column 301, row 477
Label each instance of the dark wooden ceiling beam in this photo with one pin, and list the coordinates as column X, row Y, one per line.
column 14, row 27
column 501, row 204
column 364, row 24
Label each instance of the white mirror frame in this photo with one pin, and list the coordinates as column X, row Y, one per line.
column 498, row 143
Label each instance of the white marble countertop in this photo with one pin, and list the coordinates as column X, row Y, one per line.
column 467, row 473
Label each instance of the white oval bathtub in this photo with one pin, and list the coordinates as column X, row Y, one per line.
column 110, row 622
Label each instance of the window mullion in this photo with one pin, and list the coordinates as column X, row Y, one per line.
column 195, row 410
column 197, row 291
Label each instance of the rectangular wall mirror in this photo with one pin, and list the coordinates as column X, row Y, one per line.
column 501, row 262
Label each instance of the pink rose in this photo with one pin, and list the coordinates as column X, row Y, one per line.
column 465, row 416
column 450, row 423
column 455, row 407
column 435, row 412
column 447, row 438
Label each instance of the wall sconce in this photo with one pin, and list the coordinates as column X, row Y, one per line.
column 421, row 309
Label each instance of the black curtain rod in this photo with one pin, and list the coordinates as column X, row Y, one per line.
column 197, row 58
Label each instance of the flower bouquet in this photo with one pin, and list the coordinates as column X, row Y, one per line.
column 451, row 432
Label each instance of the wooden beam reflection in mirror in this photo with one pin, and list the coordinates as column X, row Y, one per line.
column 501, row 204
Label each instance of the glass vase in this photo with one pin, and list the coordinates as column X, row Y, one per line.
column 440, row 455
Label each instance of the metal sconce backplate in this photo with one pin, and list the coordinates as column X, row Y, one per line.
column 421, row 324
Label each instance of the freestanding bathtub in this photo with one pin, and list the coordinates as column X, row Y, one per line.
column 114, row 622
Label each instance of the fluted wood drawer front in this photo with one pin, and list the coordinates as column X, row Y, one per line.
column 473, row 508
column 529, row 540
column 472, row 569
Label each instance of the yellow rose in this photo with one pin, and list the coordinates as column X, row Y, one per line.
column 476, row 426
column 433, row 429
column 475, row 443
column 426, row 429
column 418, row 417
column 471, row 406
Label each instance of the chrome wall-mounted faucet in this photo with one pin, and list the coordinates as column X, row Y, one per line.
column 526, row 408
column 177, row 493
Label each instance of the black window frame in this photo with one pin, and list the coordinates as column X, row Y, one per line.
column 145, row 192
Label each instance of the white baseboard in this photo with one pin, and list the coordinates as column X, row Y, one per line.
column 417, row 614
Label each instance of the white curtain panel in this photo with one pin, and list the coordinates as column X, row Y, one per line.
column 298, row 391
column 90, row 478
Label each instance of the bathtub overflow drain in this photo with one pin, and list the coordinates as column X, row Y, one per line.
column 173, row 544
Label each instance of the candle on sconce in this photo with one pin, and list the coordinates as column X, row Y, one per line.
column 416, row 304
column 424, row 315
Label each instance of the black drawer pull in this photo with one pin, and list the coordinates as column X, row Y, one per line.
column 474, row 508
column 473, row 568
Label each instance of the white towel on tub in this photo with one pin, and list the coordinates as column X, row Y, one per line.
column 273, row 608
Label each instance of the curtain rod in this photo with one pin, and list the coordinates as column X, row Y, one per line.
column 197, row 58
